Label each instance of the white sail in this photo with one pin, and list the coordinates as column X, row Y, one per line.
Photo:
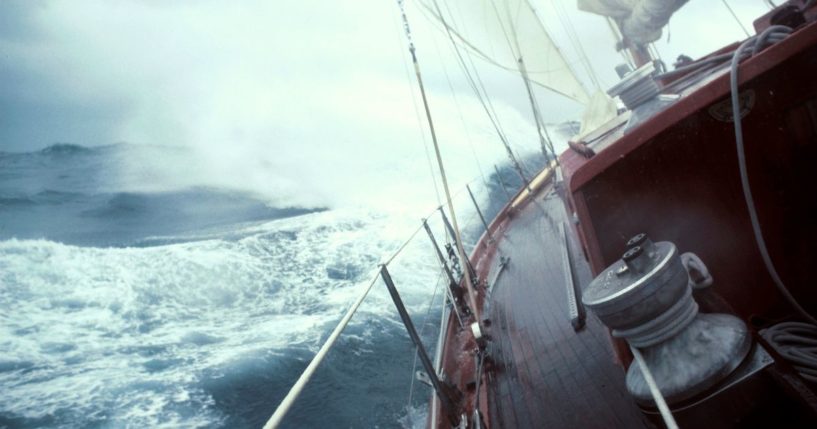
column 641, row 21
column 502, row 32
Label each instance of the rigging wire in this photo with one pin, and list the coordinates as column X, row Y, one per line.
column 725, row 3
column 417, row 116
column 476, row 84
column 469, row 281
column 619, row 39
column 405, row 244
column 544, row 139
column 459, row 111
column 479, row 52
column 517, row 53
column 573, row 36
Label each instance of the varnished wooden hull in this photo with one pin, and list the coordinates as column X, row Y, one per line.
column 676, row 178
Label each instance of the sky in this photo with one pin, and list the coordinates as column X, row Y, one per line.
column 297, row 100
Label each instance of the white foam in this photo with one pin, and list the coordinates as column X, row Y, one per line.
column 85, row 325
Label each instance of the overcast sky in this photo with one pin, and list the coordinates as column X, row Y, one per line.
column 273, row 91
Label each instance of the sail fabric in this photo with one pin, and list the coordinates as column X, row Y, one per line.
column 601, row 110
column 640, row 21
column 502, row 32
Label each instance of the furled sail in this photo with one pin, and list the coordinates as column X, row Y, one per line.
column 502, row 32
column 641, row 21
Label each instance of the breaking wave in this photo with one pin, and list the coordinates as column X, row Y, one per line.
column 198, row 306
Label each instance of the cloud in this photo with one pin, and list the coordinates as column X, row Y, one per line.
column 306, row 102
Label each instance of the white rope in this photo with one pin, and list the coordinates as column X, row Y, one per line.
column 663, row 408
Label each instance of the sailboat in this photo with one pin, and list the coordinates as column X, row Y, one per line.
column 657, row 272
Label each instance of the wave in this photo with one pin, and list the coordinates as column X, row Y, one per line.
column 189, row 330
column 12, row 201
column 130, row 218
column 81, row 195
column 197, row 306
column 63, row 149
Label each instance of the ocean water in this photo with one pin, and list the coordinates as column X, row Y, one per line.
column 199, row 306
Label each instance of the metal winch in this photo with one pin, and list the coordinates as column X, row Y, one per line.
column 646, row 299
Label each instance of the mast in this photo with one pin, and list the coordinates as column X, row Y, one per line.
column 457, row 236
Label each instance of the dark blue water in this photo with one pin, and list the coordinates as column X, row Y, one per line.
column 63, row 193
column 197, row 306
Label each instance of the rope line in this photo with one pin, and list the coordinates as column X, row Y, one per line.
column 744, row 174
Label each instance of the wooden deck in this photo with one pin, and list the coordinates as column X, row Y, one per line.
column 547, row 375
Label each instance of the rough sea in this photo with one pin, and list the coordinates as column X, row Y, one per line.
column 200, row 306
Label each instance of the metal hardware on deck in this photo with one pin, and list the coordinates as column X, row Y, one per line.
column 757, row 361
column 439, row 254
column 472, row 274
column 476, row 421
column 637, row 87
column 582, row 149
column 422, row 377
column 503, row 263
column 575, row 310
column 481, row 217
column 646, row 299
column 449, row 395
column 479, row 337
column 666, row 414
column 699, row 277
column 455, row 291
